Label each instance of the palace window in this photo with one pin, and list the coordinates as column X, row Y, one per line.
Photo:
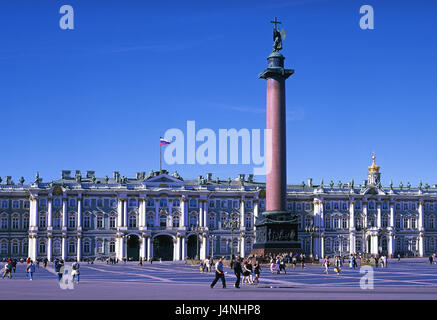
column 249, row 221
column 26, row 222
column 57, row 247
column 72, row 202
column 236, row 205
column 413, row 206
column 112, row 246
column 162, row 220
column 307, row 207
column 4, row 222
column 132, row 221
column 99, row 246
column 249, row 204
column 371, row 205
column 16, row 204
column 223, row 246
column 336, row 223
column 358, row 247
column 431, row 222
column 193, row 220
column 176, row 203
column 336, row 245
column 4, row 248
column 112, row 220
column 5, row 204
column 100, row 203
column 100, row 222
column 211, row 222
column 335, row 206
column 86, row 247
column 132, row 202
column 405, row 222
column 72, row 221
column 176, row 221
column 298, row 207
column 86, row 222
column 358, row 222
column 25, row 248
column 327, row 206
column 15, row 248
column 86, row 203
column 193, row 203
column 57, row 202
column 211, row 204
column 405, row 206
column 344, row 222
column 163, row 202
column 42, row 221
column 42, row 247
column 384, row 205
column 15, row 222
column 328, row 222
column 150, row 202
column 385, row 221
column 26, row 204
column 357, row 205
column 398, row 206
column 413, row 222
column 328, row 245
column 344, row 206
column 150, row 220
column 113, row 203
column 71, row 246
column 372, row 221
column 42, row 202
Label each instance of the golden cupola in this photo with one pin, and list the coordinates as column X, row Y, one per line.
column 374, row 168
column 374, row 176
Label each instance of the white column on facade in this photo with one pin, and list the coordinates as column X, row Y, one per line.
column 50, row 248
column 79, row 248
column 391, row 245
column 421, row 244
column 64, row 212
column 182, row 206
column 352, row 237
column 119, row 213
column 79, row 213
column 201, row 217
column 242, row 245
column 125, row 213
column 149, row 248
column 255, row 215
column 33, row 227
column 175, row 248
column 322, row 246
column 242, row 215
column 374, row 243
column 143, row 247
column 170, row 212
column 33, row 212
column 140, row 213
column 420, row 210
column 64, row 247
column 178, row 247
column 117, row 247
column 203, row 247
column 183, row 248
column 49, row 212
column 378, row 214
column 124, row 246
column 392, row 214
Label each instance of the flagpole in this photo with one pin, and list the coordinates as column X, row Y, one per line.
column 160, row 156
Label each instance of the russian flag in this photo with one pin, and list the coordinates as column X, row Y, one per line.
column 164, row 142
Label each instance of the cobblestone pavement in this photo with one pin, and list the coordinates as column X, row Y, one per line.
column 407, row 279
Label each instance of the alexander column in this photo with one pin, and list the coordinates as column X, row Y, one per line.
column 276, row 230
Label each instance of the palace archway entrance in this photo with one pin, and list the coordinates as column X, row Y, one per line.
column 163, row 248
column 191, row 246
column 133, row 247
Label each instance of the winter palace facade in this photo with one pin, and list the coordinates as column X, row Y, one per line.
column 161, row 215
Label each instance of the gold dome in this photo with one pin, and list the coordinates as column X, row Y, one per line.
column 374, row 167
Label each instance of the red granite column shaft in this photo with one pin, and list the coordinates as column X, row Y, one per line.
column 276, row 179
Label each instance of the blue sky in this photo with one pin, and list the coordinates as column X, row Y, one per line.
column 99, row 97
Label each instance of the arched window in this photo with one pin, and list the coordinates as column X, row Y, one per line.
column 87, row 221
column 405, row 218
column 57, row 247
column 4, row 247
column 163, row 220
column 212, row 221
column 413, row 222
column 358, row 247
column 42, row 247
column 344, row 222
column 112, row 246
column 132, row 221
column 249, row 221
column 112, row 220
column 336, row 222
column 150, row 219
column 99, row 221
column 328, row 245
column 4, row 221
column 99, row 246
column 87, row 247
column 57, row 221
column 72, row 221
column 71, row 246
column 398, row 222
column 15, row 247
column 193, row 220
column 431, row 222
column 42, row 220
column 176, row 221
column 16, row 222
column 328, row 222
column 26, row 221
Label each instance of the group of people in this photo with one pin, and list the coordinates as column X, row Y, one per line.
column 206, row 265
column 11, row 266
column 249, row 268
column 75, row 270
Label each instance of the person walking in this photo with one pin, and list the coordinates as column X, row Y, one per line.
column 75, row 271
column 294, row 262
column 431, row 259
column 7, row 271
column 302, row 261
column 338, row 265
column 399, row 257
column 257, row 271
column 31, row 269
column 58, row 265
column 219, row 273
column 237, row 271
column 326, row 264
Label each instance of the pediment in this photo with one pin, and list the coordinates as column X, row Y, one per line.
column 164, row 179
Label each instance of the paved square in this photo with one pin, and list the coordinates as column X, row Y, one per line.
column 407, row 279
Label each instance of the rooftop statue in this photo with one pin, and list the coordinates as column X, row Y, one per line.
column 277, row 36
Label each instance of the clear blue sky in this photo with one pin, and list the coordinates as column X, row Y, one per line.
column 99, row 97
